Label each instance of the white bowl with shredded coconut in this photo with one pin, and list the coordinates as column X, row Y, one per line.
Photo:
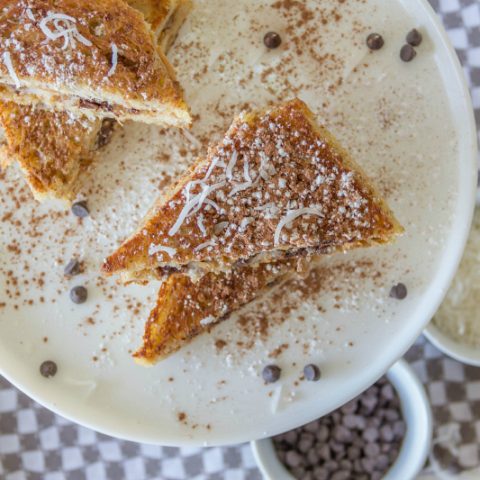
column 416, row 443
column 455, row 328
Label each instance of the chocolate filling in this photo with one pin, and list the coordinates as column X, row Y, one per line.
column 105, row 133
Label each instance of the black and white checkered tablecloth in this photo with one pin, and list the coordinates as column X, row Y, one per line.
column 36, row 444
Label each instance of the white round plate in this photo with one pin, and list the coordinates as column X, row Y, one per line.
column 410, row 125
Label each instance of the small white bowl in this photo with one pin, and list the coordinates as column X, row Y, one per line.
column 416, row 444
column 459, row 351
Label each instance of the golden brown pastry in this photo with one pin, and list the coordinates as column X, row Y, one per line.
column 164, row 16
column 277, row 186
column 94, row 58
column 185, row 309
column 53, row 148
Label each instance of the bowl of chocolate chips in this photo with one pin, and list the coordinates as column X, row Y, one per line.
column 384, row 433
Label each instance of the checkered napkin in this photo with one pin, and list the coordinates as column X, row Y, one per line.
column 36, row 444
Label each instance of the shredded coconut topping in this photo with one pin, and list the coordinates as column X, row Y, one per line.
column 11, row 71
column 64, row 27
column 192, row 139
column 30, row 14
column 246, row 172
column 202, row 246
column 154, row 249
column 240, row 188
column 231, row 165
column 114, row 60
column 194, row 205
column 291, row 216
column 208, row 320
column 200, row 224
column 245, row 222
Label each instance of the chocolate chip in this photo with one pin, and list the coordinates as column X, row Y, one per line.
column 399, row 429
column 357, row 466
column 414, row 38
column 342, row 434
column 48, row 369
column 387, row 392
column 80, row 209
column 371, row 434
column 293, row 459
column 311, row 427
column 393, row 454
column 271, row 373
column 382, row 462
column 312, row 457
column 374, row 422
column 407, row 53
column 353, row 452
column 320, row 473
column 78, row 294
column 399, row 291
column 341, row 475
column 305, row 443
column 368, row 404
column 331, row 465
column 323, row 433
column 391, row 414
column 386, row 433
column 291, row 436
column 324, row 452
column 272, row 40
column 352, row 421
column 311, row 372
column 375, row 41
column 368, row 464
column 372, row 449
column 298, row 472
column 72, row 268
column 350, row 407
